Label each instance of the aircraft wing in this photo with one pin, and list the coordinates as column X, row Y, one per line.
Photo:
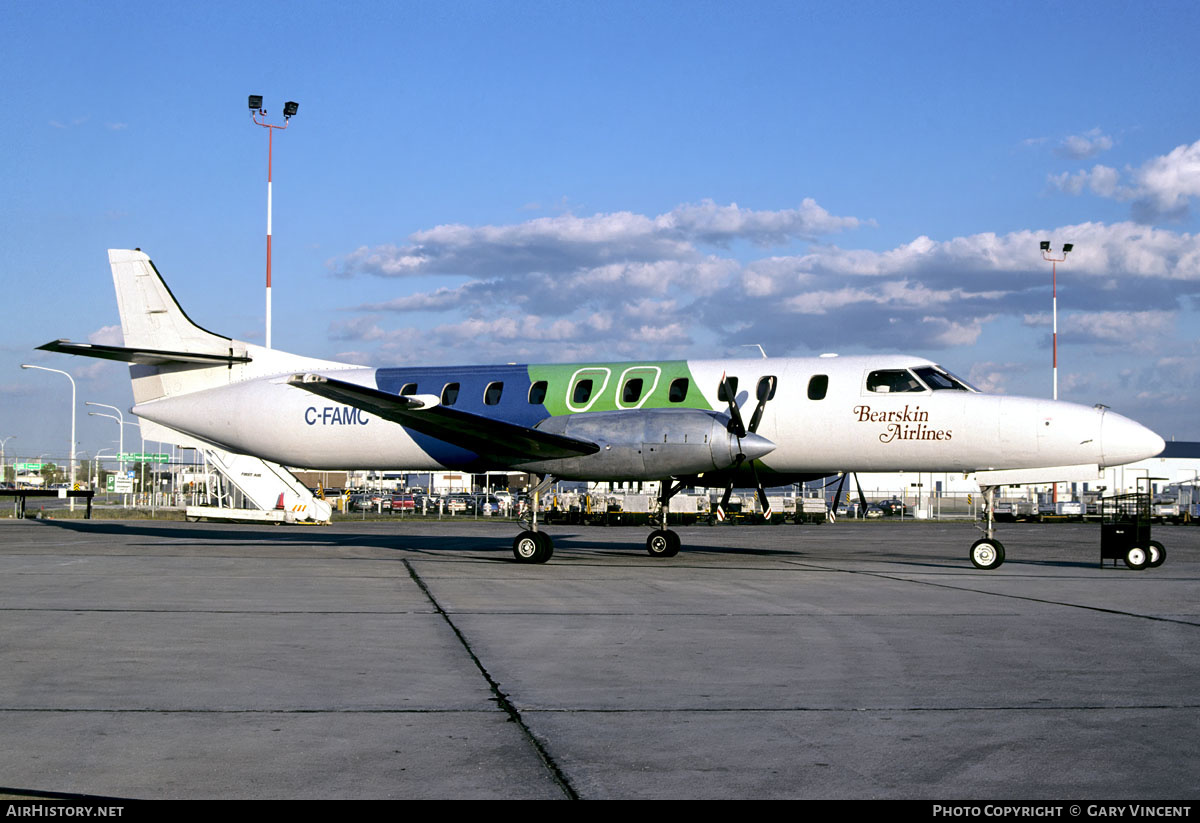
column 145, row 357
column 493, row 440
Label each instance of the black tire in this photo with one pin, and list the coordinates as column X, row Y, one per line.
column 662, row 543
column 1136, row 558
column 1158, row 553
column 987, row 554
column 533, row 547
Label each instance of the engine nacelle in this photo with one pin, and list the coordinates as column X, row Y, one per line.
column 648, row 445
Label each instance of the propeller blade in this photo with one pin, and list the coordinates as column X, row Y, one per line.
column 724, row 501
column 762, row 493
column 736, row 427
column 766, row 390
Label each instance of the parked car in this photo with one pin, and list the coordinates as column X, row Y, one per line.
column 404, row 503
column 892, row 507
column 460, row 504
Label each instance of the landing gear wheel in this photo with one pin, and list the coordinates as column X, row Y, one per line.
column 987, row 554
column 1158, row 553
column 533, row 547
column 1136, row 558
column 662, row 543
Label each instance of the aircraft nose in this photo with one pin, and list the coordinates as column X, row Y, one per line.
column 755, row 446
column 1126, row 441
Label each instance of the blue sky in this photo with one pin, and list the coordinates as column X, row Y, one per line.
column 492, row 182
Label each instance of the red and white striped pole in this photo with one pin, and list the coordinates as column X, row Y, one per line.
column 256, row 109
column 1054, row 261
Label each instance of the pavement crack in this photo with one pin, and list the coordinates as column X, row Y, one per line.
column 502, row 700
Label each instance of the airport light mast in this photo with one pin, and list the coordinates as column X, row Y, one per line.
column 3, row 474
column 289, row 110
column 1054, row 261
column 72, row 458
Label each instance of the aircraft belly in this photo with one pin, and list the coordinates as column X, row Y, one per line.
column 279, row 423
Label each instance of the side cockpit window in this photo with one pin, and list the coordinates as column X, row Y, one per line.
column 893, row 380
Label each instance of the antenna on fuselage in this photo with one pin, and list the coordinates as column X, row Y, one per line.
column 757, row 346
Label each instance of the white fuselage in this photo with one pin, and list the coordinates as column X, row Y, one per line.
column 850, row 428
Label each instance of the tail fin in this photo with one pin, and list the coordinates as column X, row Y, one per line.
column 151, row 317
column 168, row 353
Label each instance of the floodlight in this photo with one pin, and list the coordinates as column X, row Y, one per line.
column 1067, row 247
column 255, row 102
column 1045, row 245
column 290, row 108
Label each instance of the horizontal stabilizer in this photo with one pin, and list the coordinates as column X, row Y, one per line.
column 491, row 439
column 1084, row 472
column 145, row 357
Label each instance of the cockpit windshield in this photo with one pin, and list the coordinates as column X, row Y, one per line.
column 939, row 379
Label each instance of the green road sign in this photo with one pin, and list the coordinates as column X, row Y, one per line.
column 144, row 457
column 29, row 467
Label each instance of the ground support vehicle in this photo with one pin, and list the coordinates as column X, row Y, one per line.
column 1125, row 532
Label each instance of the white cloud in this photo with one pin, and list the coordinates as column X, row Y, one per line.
column 1140, row 330
column 1083, row 146
column 994, row 377
column 1164, row 185
column 1101, row 180
column 923, row 295
column 107, row 336
column 1161, row 188
column 568, row 243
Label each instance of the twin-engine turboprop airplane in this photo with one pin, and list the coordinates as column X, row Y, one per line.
column 681, row 422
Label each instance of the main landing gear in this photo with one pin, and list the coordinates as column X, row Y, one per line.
column 531, row 545
column 988, row 553
column 663, row 542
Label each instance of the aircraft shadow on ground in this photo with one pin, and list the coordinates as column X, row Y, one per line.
column 426, row 544
column 500, row 544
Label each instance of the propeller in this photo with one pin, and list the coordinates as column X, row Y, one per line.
column 736, row 427
column 837, row 497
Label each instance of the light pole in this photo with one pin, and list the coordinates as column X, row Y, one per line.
column 1054, row 261
column 289, row 110
column 96, row 470
column 72, row 458
column 3, row 477
column 120, row 418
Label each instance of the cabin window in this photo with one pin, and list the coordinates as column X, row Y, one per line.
column 632, row 391
column 491, row 395
column 818, row 384
column 766, row 388
column 409, row 388
column 678, row 392
column 893, row 380
column 537, row 393
column 728, row 390
column 450, row 394
column 583, row 391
